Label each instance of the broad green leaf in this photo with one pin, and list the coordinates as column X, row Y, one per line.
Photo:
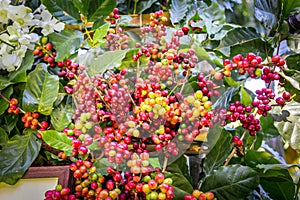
column 4, row 82
column 102, row 165
column 17, row 155
column 97, row 23
column 57, row 140
column 100, row 8
column 65, row 11
column 290, row 128
column 290, row 7
column 214, row 134
column 276, row 181
column 268, row 12
column 293, row 61
column 218, row 154
column 257, row 45
column 181, row 185
column 276, row 166
column 10, row 122
column 231, row 82
column 61, row 117
column 292, row 84
column 154, row 162
column 245, row 97
column 238, row 35
column 106, row 61
column 202, row 54
column 231, row 182
column 268, row 128
column 41, row 91
column 66, row 43
column 180, row 166
column 178, row 9
column 3, row 137
column 100, row 32
column 20, row 74
column 82, row 6
column 144, row 5
column 127, row 61
column 7, row 92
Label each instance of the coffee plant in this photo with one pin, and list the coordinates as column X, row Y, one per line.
column 123, row 108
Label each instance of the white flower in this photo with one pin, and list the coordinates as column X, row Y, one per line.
column 21, row 15
column 4, row 11
column 48, row 22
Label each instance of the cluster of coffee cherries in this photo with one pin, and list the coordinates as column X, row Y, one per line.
column 156, row 18
column 45, row 51
column 199, row 195
column 250, row 64
column 13, row 108
column 113, row 17
column 59, row 193
column 116, row 39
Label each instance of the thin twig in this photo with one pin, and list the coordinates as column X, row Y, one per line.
column 165, row 164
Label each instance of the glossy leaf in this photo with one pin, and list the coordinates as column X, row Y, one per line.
column 3, row 137
column 289, row 7
column 276, row 166
column 82, row 6
column 245, row 97
column 218, row 154
column 106, row 61
column 180, row 166
column 178, row 10
column 154, row 162
column 71, row 39
column 127, row 61
column 102, row 165
column 17, row 155
column 20, row 74
column 100, row 32
column 7, row 92
column 40, row 91
column 292, row 84
column 100, row 8
column 181, row 185
column 268, row 128
column 293, row 61
column 238, row 36
column 144, row 5
column 61, row 117
column 231, row 82
column 57, row 140
column 65, row 11
column 225, row 98
column 10, row 122
column 231, row 182
column 290, row 129
column 267, row 12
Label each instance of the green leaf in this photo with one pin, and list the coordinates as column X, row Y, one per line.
column 231, row 182
column 108, row 60
column 245, row 97
column 155, row 162
column 238, row 35
column 61, row 117
column 218, row 154
column 290, row 128
column 144, row 5
column 10, row 122
column 100, row 32
column 41, row 91
column 82, row 6
column 180, row 167
column 17, row 155
column 3, row 137
column 102, row 165
column 65, row 11
column 289, row 7
column 224, row 100
column 257, row 45
column 97, row 23
column 7, row 92
column 276, row 181
column 268, row 12
column 71, row 39
column 57, row 140
column 20, row 74
column 127, row 61
column 276, row 166
column 100, row 8
column 292, row 84
column 181, row 185
column 178, row 10
column 268, row 128
column 231, row 82
column 293, row 61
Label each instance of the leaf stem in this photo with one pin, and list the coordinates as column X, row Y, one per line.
column 7, row 43
column 165, row 164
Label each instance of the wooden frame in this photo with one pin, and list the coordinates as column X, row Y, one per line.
column 63, row 173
